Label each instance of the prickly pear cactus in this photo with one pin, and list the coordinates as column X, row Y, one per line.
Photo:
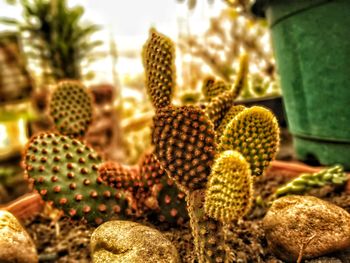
column 71, row 108
column 72, row 175
column 159, row 63
column 185, row 145
column 65, row 171
column 254, row 133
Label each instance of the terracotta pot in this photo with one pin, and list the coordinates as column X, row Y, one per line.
column 25, row 206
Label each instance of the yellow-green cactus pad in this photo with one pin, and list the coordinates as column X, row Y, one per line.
column 71, row 108
column 159, row 62
column 254, row 133
column 230, row 188
column 234, row 110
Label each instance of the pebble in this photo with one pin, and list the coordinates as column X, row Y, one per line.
column 15, row 243
column 294, row 220
column 130, row 242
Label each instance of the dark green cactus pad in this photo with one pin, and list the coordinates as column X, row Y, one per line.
column 184, row 144
column 163, row 193
column 159, row 63
column 65, row 171
column 172, row 203
column 254, row 133
column 71, row 108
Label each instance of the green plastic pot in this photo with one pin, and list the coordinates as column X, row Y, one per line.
column 311, row 40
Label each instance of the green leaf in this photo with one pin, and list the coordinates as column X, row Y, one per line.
column 9, row 21
column 83, row 33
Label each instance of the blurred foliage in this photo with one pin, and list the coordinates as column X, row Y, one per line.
column 56, row 36
column 242, row 6
column 17, row 114
column 136, row 144
column 137, row 135
column 12, row 182
column 217, row 51
column 190, row 98
column 16, row 111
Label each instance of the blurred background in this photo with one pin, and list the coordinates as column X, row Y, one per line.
column 100, row 44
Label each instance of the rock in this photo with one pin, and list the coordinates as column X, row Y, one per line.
column 292, row 221
column 15, row 243
column 129, row 242
column 324, row 260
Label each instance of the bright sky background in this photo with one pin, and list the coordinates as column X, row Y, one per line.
column 128, row 22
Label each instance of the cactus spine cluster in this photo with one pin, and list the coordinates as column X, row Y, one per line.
column 305, row 182
column 71, row 108
column 217, row 179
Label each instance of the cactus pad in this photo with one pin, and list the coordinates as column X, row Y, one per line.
column 184, row 144
column 71, row 108
column 234, row 110
column 65, row 171
column 230, row 188
column 119, row 176
column 152, row 191
column 254, row 133
column 171, row 202
column 159, row 63
column 220, row 105
column 213, row 89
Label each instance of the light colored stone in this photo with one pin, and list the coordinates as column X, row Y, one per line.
column 15, row 243
column 130, row 242
column 324, row 260
column 293, row 220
